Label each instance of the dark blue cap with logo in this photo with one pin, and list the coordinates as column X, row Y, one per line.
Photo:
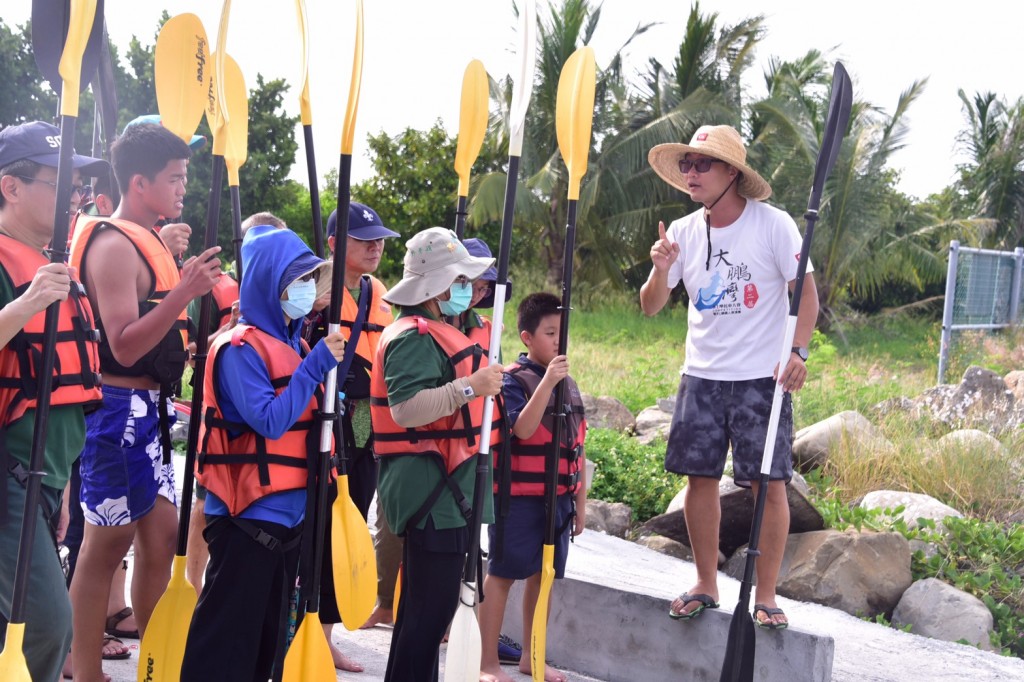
column 40, row 142
column 363, row 224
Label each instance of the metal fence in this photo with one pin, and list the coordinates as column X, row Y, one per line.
column 983, row 291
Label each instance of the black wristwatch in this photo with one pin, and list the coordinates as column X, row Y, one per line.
column 801, row 352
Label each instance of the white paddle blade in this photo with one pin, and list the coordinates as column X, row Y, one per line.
column 462, row 662
column 522, row 88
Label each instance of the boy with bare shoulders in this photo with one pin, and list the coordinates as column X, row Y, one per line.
column 139, row 299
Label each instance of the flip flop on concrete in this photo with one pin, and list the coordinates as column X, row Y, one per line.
column 704, row 600
column 770, row 623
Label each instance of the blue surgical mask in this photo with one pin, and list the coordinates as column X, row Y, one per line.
column 459, row 297
column 301, row 296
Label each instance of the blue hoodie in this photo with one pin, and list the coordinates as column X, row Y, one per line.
column 243, row 382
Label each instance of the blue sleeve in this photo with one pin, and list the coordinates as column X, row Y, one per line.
column 244, row 381
column 515, row 399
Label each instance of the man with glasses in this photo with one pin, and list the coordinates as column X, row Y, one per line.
column 29, row 283
column 737, row 258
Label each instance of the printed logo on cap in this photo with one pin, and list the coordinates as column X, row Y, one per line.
column 367, row 215
column 702, row 137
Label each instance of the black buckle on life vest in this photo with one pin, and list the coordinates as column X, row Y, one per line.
column 266, row 539
column 575, row 453
column 571, row 480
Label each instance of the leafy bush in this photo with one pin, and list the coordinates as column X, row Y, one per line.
column 630, row 472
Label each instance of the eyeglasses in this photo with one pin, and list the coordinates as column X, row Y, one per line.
column 700, row 165
column 83, row 191
column 482, row 291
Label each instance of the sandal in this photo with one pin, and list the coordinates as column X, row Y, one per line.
column 705, row 601
column 769, row 612
column 108, row 639
column 112, row 622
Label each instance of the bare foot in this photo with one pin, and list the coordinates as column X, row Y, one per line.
column 380, row 616
column 495, row 674
column 550, row 674
column 774, row 621
column 343, row 662
column 684, row 608
column 67, row 673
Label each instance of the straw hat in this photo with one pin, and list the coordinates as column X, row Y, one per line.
column 719, row 142
column 435, row 258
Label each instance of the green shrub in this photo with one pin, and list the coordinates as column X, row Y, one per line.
column 630, row 472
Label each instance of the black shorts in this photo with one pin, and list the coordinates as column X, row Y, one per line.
column 712, row 415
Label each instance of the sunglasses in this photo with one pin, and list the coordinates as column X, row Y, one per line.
column 83, row 191
column 700, row 165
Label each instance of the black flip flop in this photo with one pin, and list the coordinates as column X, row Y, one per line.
column 705, row 600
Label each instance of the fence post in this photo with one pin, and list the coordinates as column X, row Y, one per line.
column 947, row 309
column 1018, row 261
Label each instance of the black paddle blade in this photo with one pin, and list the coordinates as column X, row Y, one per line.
column 49, row 30
column 739, row 652
column 839, row 105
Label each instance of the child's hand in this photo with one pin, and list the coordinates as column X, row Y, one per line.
column 580, row 523
column 557, row 370
column 487, row 380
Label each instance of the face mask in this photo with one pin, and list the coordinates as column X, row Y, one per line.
column 301, row 296
column 459, row 296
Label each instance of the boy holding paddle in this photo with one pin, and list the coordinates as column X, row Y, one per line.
column 28, row 284
column 516, row 540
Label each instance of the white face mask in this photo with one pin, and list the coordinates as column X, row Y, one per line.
column 301, row 296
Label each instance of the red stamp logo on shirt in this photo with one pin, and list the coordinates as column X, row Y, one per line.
column 750, row 295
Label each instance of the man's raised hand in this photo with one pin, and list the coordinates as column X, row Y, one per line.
column 664, row 252
column 200, row 273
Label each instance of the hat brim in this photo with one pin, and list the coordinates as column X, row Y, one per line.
column 664, row 160
column 89, row 166
column 197, row 142
column 371, row 233
column 416, row 288
column 323, row 280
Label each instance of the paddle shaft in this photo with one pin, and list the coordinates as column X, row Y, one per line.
column 58, row 254
column 460, row 217
column 199, row 372
column 314, row 193
column 236, row 230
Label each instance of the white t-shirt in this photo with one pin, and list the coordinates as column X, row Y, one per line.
column 738, row 307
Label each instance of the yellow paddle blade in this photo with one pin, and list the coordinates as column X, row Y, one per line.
column 574, row 114
column 462, row 662
column 352, row 561
column 348, row 131
column 539, row 635
column 220, row 113
column 309, row 656
column 236, row 130
column 83, row 12
column 182, row 73
column 472, row 121
column 13, row 666
column 163, row 645
column 398, row 591
column 304, row 107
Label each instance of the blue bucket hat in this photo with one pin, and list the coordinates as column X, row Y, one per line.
column 195, row 144
column 479, row 248
column 40, row 142
column 363, row 224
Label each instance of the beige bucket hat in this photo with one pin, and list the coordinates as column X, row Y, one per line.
column 721, row 142
column 435, row 258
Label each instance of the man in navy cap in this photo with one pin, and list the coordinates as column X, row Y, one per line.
column 29, row 283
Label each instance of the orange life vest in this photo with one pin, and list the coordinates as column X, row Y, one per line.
column 237, row 464
column 481, row 335
column 454, row 438
column 225, row 293
column 166, row 361
column 76, row 379
column 523, row 468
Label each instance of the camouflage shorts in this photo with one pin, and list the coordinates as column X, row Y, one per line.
column 710, row 415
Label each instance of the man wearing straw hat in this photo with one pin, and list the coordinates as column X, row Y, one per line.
column 737, row 258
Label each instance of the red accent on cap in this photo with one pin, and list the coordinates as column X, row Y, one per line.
column 702, row 137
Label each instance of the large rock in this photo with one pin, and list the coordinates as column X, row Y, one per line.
column 613, row 518
column 863, row 574
column 982, row 400
column 915, row 506
column 666, row 546
column 812, row 444
column 652, row 423
column 737, row 513
column 972, row 440
column 934, row 609
column 1015, row 384
column 606, row 412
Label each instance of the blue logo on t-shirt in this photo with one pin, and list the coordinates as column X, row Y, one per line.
column 710, row 296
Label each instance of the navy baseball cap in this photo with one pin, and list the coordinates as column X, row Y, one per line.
column 195, row 144
column 479, row 248
column 40, row 142
column 363, row 224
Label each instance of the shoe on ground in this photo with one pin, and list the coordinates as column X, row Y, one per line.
column 509, row 650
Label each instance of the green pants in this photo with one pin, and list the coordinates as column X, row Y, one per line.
column 47, row 607
column 388, row 550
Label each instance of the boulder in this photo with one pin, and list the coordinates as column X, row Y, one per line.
column 982, row 400
column 1015, row 383
column 652, row 423
column 863, row 574
column 972, row 440
column 666, row 546
column 737, row 512
column 916, row 506
column 940, row 611
column 606, row 412
column 812, row 444
column 613, row 518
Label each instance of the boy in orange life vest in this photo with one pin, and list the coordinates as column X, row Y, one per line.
column 127, row 481
column 259, row 423
column 29, row 283
column 517, row 537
